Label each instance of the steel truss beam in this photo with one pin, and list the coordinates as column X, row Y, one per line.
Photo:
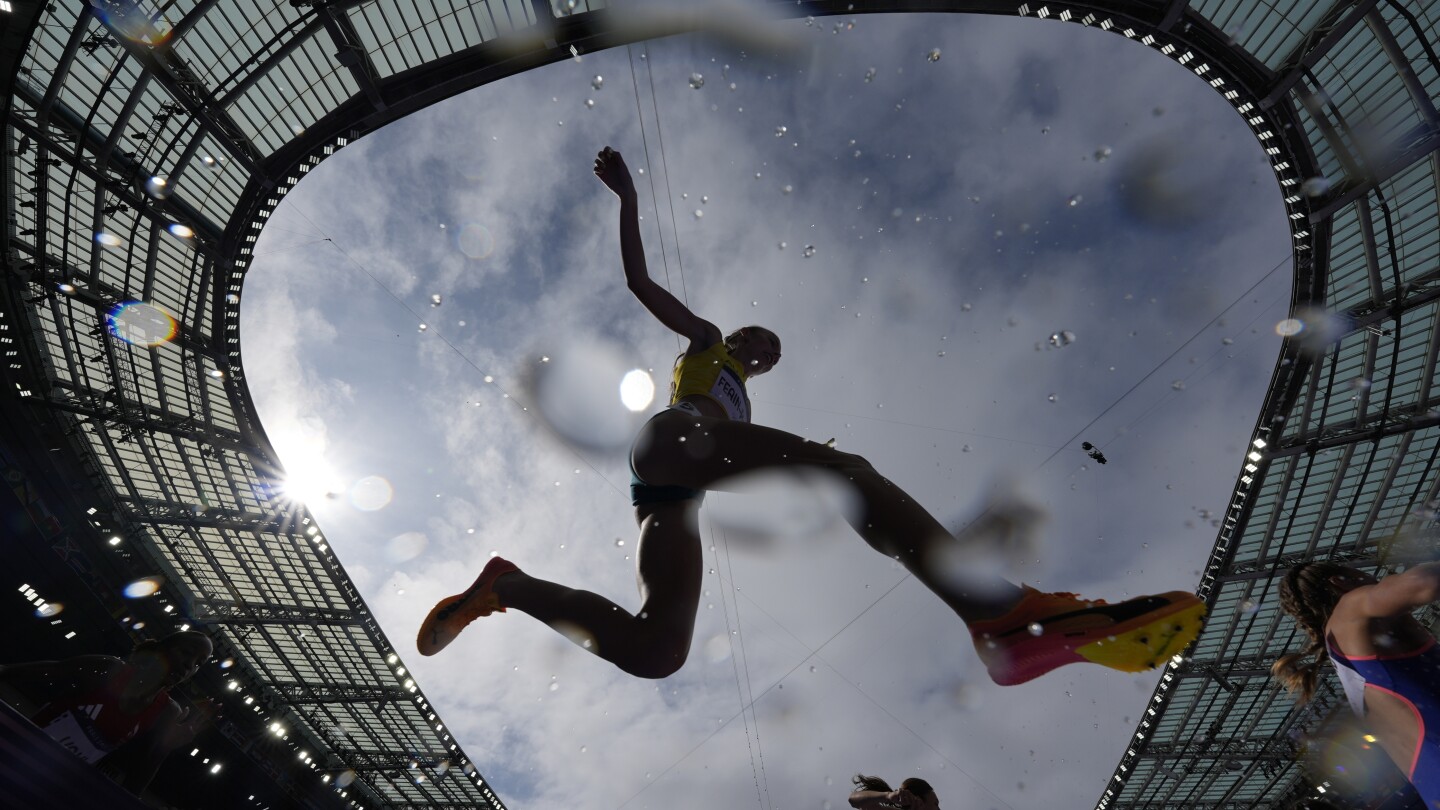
column 224, row 611
column 1242, row 748
column 297, row 694
column 371, row 760
column 352, row 54
column 1329, row 31
column 1418, row 416
column 95, row 405
column 121, row 174
column 166, row 67
column 1416, row 145
column 166, row 513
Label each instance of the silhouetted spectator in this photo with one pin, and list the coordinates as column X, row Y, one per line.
column 113, row 711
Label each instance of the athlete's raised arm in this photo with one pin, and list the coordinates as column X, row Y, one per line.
column 668, row 309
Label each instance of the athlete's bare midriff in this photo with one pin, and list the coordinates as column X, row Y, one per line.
column 705, row 405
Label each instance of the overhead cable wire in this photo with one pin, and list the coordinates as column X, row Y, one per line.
column 734, row 665
column 763, row 783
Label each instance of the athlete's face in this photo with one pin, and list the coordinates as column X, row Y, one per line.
column 759, row 351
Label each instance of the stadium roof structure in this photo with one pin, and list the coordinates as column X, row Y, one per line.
column 147, row 143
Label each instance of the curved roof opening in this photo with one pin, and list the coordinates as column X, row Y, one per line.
column 147, row 147
column 983, row 241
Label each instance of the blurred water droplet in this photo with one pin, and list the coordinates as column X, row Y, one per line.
column 869, row 75
column 435, row 300
column 809, row 251
column 581, row 394
column 1227, row 341
column 1035, row 629
column 1102, row 154
column 619, row 542
column 554, row 687
column 597, row 82
column 780, row 132
column 699, row 214
column 1178, row 385
column 407, row 546
column 782, row 246
column 370, row 493
column 1053, row 398
column 589, row 102
column 787, row 188
column 696, row 81
column 1315, row 186
column 1062, row 338
column 812, row 669
column 423, row 327
column 933, row 55
column 940, row 354
column 1074, row 201
column 1289, row 327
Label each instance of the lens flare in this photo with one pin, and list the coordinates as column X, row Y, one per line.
column 141, row 324
column 143, row 587
column 475, row 240
column 371, row 493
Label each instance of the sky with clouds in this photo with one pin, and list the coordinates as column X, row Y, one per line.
column 915, row 229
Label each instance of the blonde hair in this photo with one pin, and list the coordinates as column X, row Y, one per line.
column 1307, row 594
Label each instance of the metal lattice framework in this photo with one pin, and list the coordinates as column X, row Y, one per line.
column 146, row 145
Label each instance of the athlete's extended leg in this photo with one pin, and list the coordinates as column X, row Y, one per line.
column 700, row 452
column 1020, row 633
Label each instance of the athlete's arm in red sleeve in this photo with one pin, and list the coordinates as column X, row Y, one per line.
column 1398, row 594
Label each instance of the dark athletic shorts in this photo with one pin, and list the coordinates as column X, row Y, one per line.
column 642, row 493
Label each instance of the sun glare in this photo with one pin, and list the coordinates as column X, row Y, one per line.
column 309, row 480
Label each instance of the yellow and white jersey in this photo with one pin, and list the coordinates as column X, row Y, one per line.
column 713, row 373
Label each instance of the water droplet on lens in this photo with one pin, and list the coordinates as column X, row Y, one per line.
column 1074, row 201
column 787, row 188
column 589, row 102
column 809, row 251
column 699, row 214
column 1178, row 385
column 1053, row 398
column 1315, row 186
column 780, row 132
column 870, row 75
column 933, row 55
column 1035, row 629
column 597, row 82
column 696, row 81
column 1102, row 154
column 435, row 300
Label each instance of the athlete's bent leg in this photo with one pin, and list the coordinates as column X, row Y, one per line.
column 652, row 643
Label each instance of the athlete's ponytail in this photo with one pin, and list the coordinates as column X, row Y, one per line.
column 863, row 782
column 1307, row 594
